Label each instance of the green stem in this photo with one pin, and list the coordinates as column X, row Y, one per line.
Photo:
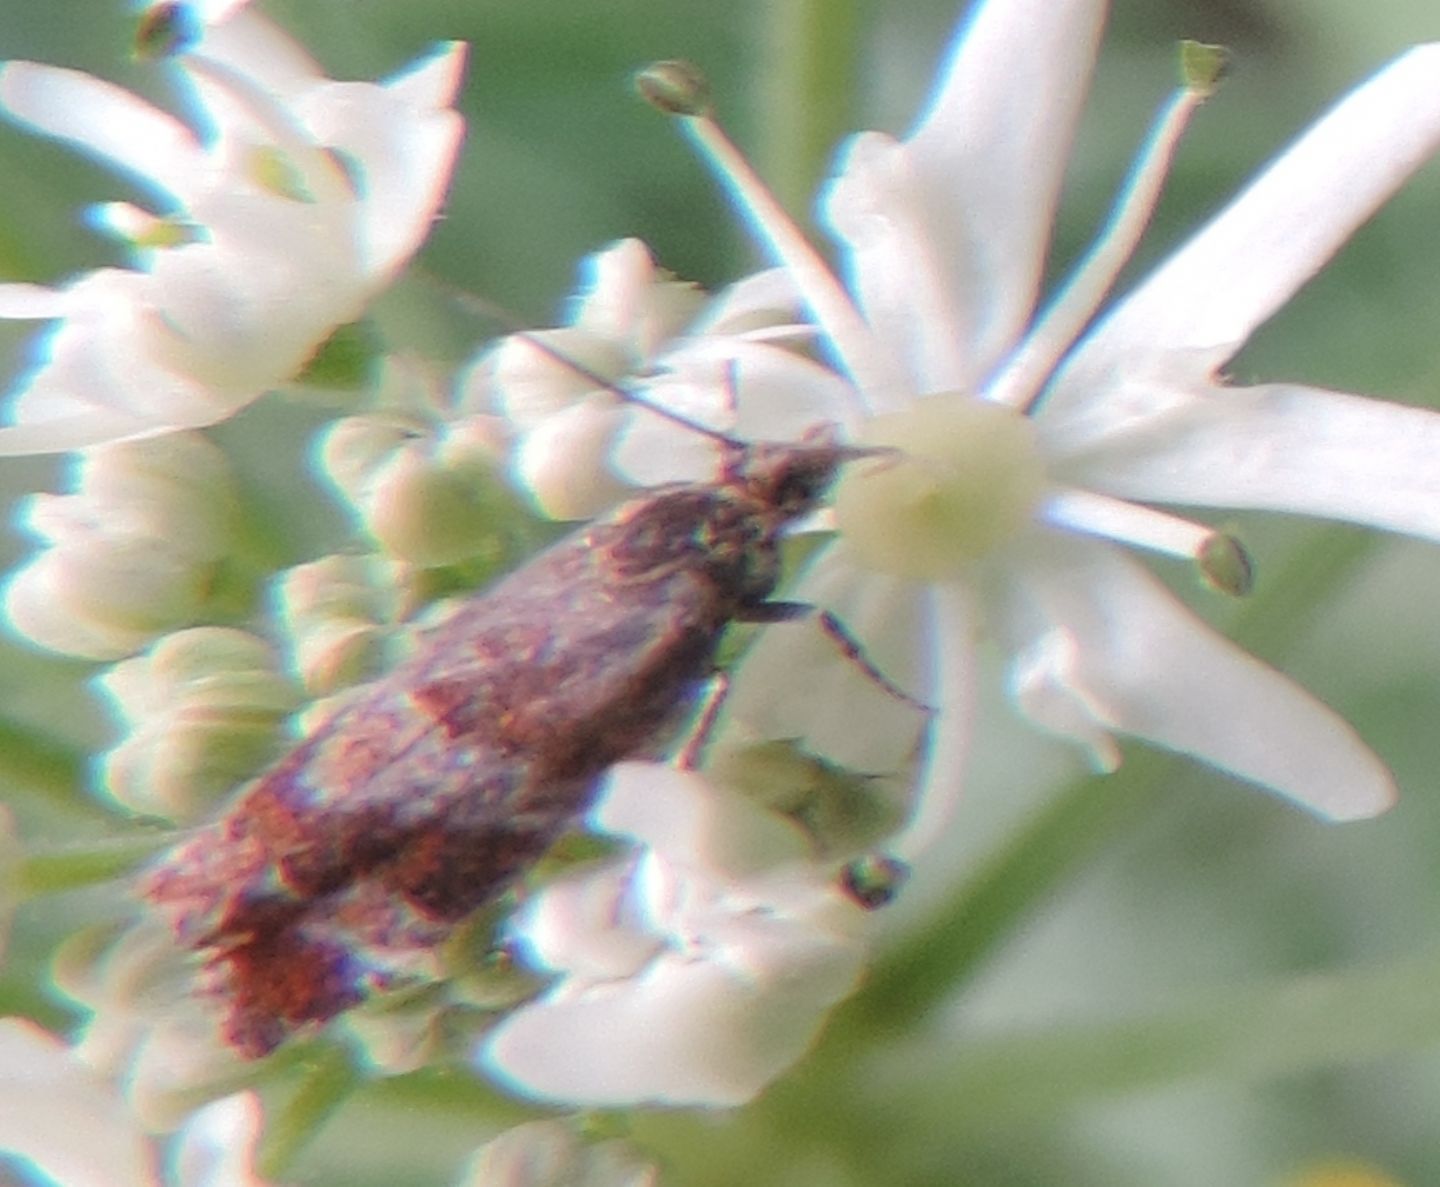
column 70, row 867
column 331, row 1077
column 38, row 764
column 1298, row 1024
column 807, row 98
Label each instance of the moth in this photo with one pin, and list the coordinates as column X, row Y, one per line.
column 431, row 790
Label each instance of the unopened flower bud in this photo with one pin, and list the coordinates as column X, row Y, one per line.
column 176, row 487
column 426, row 502
column 131, row 553
column 204, row 707
column 105, row 600
column 564, row 464
column 339, row 612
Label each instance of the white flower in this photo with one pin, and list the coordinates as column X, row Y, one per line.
column 131, row 552
column 67, row 1122
column 695, row 970
column 216, row 1147
column 1029, row 450
column 672, row 345
column 303, row 199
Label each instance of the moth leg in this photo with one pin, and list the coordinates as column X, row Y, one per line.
column 703, row 725
column 852, row 649
column 837, row 632
column 775, row 611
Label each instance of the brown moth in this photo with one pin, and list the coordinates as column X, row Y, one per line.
column 435, row 787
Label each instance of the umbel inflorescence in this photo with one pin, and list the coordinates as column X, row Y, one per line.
column 907, row 474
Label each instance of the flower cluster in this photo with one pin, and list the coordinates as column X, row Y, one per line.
column 1001, row 458
column 277, row 224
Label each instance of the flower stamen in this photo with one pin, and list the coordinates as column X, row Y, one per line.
column 842, row 322
column 1220, row 557
column 1021, row 381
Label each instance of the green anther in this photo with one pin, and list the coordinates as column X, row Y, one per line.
column 1226, row 566
column 166, row 30
column 1203, row 66
column 873, row 881
column 675, row 87
column 275, row 173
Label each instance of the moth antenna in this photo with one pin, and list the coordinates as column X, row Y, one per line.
column 624, row 393
column 483, row 307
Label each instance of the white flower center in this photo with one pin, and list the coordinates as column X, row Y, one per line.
column 968, row 475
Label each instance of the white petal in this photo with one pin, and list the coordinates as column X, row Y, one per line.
column 1198, row 309
column 61, row 1118
column 433, row 80
column 691, row 1030
column 1045, row 681
column 796, row 684
column 679, row 814
column 987, row 159
column 257, row 47
column 216, row 1148
column 1280, row 447
column 951, row 622
column 626, row 298
column 123, row 130
column 763, row 299
column 1152, row 669
column 245, row 311
column 33, row 301
column 214, row 11
column 405, row 155
column 101, row 362
column 588, row 924
column 62, row 434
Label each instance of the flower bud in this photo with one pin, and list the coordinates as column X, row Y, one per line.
column 131, row 553
column 564, row 464
column 429, row 497
column 338, row 612
column 204, row 707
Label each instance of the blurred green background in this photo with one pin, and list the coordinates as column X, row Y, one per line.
column 1169, row 979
